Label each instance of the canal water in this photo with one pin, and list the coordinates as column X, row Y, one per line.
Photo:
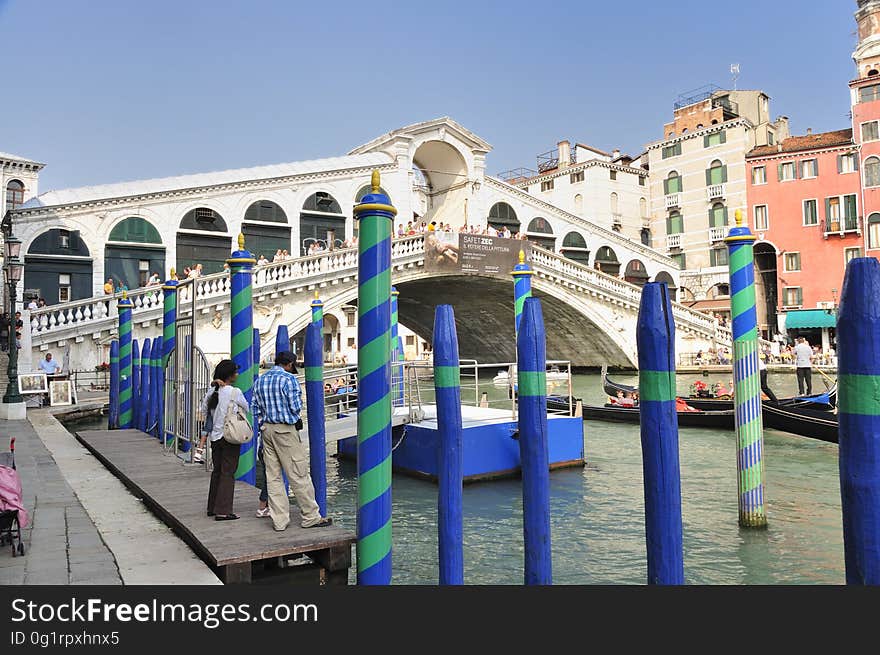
column 597, row 512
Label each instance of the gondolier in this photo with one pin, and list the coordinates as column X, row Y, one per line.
column 762, row 368
column 803, row 361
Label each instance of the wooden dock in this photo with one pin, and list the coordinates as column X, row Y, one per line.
column 242, row 551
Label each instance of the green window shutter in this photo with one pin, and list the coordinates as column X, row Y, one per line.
column 725, row 216
column 855, row 162
column 779, row 172
column 850, row 207
column 679, row 184
column 705, row 140
column 678, row 148
column 828, row 212
column 839, row 164
column 666, row 187
column 797, row 169
column 816, row 167
column 724, row 173
column 711, row 217
column 723, row 136
column 708, row 177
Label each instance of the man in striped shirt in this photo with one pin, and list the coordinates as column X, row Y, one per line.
column 277, row 409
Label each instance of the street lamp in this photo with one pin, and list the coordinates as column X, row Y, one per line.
column 13, row 269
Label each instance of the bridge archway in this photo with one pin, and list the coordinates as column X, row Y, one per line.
column 502, row 215
column 666, row 279
column 320, row 214
column 58, row 267
column 606, row 260
column 266, row 229
column 635, row 273
column 540, row 232
column 574, row 247
column 443, row 186
column 203, row 238
column 133, row 252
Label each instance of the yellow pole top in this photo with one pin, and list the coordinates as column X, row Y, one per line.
column 125, row 294
column 374, row 181
column 522, row 257
column 739, row 217
column 316, row 294
column 241, row 241
column 173, row 273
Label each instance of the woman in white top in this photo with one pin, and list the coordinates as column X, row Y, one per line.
column 220, row 399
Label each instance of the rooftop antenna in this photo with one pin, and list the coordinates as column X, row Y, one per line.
column 734, row 70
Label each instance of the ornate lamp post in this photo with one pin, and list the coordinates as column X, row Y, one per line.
column 13, row 269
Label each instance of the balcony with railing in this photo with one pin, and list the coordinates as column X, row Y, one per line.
column 715, row 191
column 673, row 241
column 848, row 225
column 717, row 234
column 672, row 200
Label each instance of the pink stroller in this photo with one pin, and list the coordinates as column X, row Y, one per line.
column 13, row 516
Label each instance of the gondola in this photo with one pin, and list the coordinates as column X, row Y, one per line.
column 802, row 421
column 825, row 401
column 721, row 420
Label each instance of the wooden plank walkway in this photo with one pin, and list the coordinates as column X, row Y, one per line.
column 238, row 550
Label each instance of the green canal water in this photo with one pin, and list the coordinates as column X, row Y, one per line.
column 597, row 512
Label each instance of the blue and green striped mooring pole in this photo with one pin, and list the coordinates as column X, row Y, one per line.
column 531, row 352
column 158, row 380
column 858, row 362
column 522, row 287
column 241, row 267
column 317, row 306
column 126, row 415
column 375, row 217
column 655, row 339
column 145, row 379
column 169, row 340
column 447, row 391
column 746, row 377
column 113, row 412
column 314, row 361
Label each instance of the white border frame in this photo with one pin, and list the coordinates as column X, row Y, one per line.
column 66, row 399
column 754, row 168
column 804, row 212
column 766, row 228
column 42, row 376
column 784, row 289
column 785, row 268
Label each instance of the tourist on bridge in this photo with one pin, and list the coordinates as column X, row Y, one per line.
column 224, row 455
column 803, row 358
column 49, row 366
column 108, row 287
column 277, row 407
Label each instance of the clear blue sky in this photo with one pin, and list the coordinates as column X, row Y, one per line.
column 110, row 90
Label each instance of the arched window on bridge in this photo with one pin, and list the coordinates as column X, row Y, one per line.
column 501, row 215
column 265, row 229
column 606, row 261
column 540, row 233
column 58, row 267
column 367, row 189
column 14, row 194
column 635, row 272
column 574, row 246
column 203, row 239
column 133, row 252
column 665, row 278
column 320, row 215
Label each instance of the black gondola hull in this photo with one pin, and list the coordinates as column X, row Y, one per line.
column 717, row 420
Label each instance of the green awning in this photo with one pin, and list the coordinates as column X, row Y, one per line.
column 810, row 318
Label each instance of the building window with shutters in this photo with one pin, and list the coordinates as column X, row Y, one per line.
column 870, row 131
column 762, row 218
column 792, row 297
column 771, row 138
column 672, row 184
column 410, row 340
column 792, row 262
column 869, row 93
column 811, row 212
column 64, row 287
column 873, row 231
column 716, row 173
column 674, row 223
column 14, row 194
column 786, row 171
column 574, row 178
column 613, row 174
column 671, row 151
column 547, row 185
column 715, row 139
column 809, row 168
column 759, row 175
column 678, row 258
column 641, row 180
column 718, row 256
column 872, row 171
column 847, row 163
column 851, row 253
column 718, row 215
